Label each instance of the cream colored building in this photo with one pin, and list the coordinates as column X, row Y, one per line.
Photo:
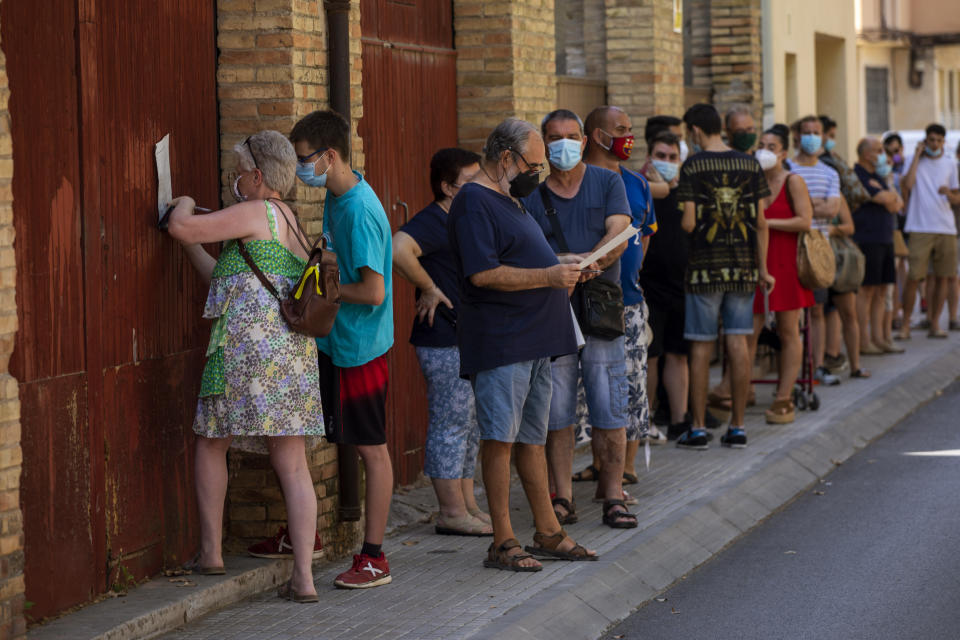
column 810, row 64
column 908, row 63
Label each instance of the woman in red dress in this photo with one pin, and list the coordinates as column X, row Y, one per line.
column 788, row 212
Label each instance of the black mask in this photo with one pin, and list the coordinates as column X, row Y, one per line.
column 523, row 184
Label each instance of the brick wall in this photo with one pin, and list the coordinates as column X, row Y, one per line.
column 505, row 64
column 736, row 62
column 12, row 623
column 644, row 76
column 272, row 70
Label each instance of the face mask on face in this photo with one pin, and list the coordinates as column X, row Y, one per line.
column 684, row 150
column 308, row 173
column 810, row 143
column 668, row 170
column 564, row 154
column 882, row 166
column 930, row 152
column 897, row 159
column 236, row 190
column 743, row 141
column 621, row 147
column 766, row 158
column 829, row 144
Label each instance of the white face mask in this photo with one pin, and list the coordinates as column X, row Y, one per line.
column 684, row 150
column 766, row 158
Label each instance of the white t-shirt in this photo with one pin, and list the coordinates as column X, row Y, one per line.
column 822, row 182
column 927, row 210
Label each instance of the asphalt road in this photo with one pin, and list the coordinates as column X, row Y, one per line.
column 872, row 552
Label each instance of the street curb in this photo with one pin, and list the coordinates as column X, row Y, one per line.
column 594, row 599
column 151, row 610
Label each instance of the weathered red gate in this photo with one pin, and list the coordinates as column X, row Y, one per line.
column 109, row 348
column 409, row 111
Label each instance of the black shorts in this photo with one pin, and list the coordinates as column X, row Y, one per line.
column 666, row 322
column 354, row 401
column 880, row 263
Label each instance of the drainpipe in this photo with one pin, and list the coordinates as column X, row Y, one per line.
column 767, row 40
column 338, row 44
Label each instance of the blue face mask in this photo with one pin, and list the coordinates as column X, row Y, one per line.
column 810, row 143
column 883, row 167
column 307, row 174
column 564, row 154
column 829, row 144
column 930, row 152
column 666, row 169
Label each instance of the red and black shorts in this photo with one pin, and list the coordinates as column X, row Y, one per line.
column 354, row 401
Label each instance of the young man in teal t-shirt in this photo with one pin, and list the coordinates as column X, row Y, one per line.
column 353, row 356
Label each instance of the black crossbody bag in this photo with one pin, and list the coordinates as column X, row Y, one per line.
column 597, row 303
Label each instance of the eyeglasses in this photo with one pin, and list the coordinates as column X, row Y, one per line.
column 535, row 169
column 305, row 161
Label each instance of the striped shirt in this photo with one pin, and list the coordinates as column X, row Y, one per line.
column 822, row 182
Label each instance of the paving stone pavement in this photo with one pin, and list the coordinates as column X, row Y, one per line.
column 441, row 590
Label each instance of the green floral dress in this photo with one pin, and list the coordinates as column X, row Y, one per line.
column 260, row 378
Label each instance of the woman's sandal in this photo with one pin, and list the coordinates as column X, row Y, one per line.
column 194, row 567
column 480, row 515
column 498, row 558
column 627, row 498
column 546, row 546
column 860, row 373
column 287, row 593
column 629, row 478
column 570, row 516
column 465, row 525
column 781, row 412
column 589, row 474
column 617, row 519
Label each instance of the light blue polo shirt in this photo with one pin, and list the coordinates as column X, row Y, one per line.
column 360, row 235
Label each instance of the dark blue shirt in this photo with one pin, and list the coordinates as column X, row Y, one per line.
column 873, row 224
column 429, row 229
column 645, row 219
column 496, row 328
column 583, row 218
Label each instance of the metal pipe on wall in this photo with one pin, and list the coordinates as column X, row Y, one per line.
column 766, row 37
column 338, row 47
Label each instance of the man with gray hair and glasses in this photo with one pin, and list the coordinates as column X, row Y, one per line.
column 514, row 317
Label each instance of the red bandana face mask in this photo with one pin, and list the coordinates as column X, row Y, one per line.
column 621, row 147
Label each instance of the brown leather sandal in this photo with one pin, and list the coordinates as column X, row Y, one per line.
column 570, row 516
column 498, row 558
column 546, row 546
column 781, row 412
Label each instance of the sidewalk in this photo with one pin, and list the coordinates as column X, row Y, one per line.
column 692, row 504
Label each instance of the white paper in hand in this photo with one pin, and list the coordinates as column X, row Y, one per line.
column 576, row 330
column 164, row 186
column 609, row 246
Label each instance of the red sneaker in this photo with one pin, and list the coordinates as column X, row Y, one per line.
column 279, row 546
column 366, row 572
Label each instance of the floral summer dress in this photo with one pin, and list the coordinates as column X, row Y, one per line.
column 260, row 378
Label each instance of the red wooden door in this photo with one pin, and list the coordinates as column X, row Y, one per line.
column 409, row 111
column 110, row 344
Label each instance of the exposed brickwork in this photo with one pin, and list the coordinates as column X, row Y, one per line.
column 12, row 623
column 505, row 63
column 272, row 71
column 644, row 74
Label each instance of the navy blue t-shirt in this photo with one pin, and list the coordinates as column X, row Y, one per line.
column 496, row 328
column 873, row 224
column 429, row 229
column 583, row 217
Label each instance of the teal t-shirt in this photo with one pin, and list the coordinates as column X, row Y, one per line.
column 360, row 236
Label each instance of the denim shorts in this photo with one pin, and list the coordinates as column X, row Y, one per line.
column 453, row 437
column 603, row 365
column 702, row 310
column 513, row 402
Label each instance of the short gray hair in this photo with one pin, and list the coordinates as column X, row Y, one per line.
column 273, row 154
column 510, row 135
column 736, row 110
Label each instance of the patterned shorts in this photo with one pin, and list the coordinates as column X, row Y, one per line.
column 453, row 436
column 638, row 408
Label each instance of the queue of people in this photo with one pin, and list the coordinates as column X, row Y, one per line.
column 521, row 342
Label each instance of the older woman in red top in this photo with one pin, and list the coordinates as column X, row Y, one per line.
column 788, row 212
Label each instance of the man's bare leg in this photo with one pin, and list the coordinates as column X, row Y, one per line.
column 740, row 365
column 700, row 353
column 559, row 458
column 495, row 463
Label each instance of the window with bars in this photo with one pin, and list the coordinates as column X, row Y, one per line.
column 878, row 99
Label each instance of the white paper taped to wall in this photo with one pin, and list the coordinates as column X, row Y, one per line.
column 164, row 186
column 609, row 246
